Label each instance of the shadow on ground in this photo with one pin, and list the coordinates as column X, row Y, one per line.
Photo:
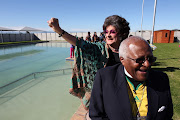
column 167, row 69
column 159, row 64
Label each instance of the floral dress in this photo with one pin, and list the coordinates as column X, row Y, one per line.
column 89, row 57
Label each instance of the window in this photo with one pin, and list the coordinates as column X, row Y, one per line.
column 166, row 34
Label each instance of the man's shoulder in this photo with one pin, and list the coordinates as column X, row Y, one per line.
column 157, row 74
column 111, row 69
column 158, row 80
column 110, row 73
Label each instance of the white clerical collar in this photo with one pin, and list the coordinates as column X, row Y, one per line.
column 126, row 73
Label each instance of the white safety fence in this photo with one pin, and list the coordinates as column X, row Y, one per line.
column 45, row 36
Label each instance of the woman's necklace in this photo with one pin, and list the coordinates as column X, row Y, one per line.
column 114, row 49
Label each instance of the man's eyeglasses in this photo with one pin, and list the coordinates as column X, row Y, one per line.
column 143, row 59
column 111, row 32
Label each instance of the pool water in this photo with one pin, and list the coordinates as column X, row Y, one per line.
column 46, row 97
column 19, row 61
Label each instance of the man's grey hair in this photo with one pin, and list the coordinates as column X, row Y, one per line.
column 124, row 46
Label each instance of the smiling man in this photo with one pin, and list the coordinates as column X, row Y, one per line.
column 131, row 91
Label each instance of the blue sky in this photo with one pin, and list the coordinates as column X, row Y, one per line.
column 88, row 15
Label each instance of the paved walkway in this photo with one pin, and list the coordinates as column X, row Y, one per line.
column 80, row 114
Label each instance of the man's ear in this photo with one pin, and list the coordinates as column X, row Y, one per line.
column 122, row 60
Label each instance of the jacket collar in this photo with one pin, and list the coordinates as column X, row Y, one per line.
column 120, row 85
column 121, row 90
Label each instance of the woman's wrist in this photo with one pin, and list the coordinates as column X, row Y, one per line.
column 59, row 31
column 62, row 33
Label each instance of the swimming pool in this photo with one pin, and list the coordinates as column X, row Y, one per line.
column 44, row 97
column 19, row 61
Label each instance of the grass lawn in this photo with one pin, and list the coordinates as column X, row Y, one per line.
column 168, row 61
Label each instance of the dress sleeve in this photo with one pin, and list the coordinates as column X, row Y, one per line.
column 90, row 50
column 89, row 57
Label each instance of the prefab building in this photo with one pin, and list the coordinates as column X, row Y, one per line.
column 163, row 36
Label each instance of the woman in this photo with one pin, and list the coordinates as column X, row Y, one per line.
column 89, row 57
column 95, row 38
column 72, row 51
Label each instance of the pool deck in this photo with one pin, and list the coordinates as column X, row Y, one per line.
column 80, row 114
column 69, row 59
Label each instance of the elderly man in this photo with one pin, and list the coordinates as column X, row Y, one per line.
column 131, row 91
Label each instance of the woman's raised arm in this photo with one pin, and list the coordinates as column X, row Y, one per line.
column 54, row 24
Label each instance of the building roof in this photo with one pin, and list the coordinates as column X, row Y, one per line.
column 22, row 29
column 6, row 29
column 29, row 29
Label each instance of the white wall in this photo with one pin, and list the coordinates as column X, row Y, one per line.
column 146, row 35
column 16, row 37
column 55, row 36
column 177, row 34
